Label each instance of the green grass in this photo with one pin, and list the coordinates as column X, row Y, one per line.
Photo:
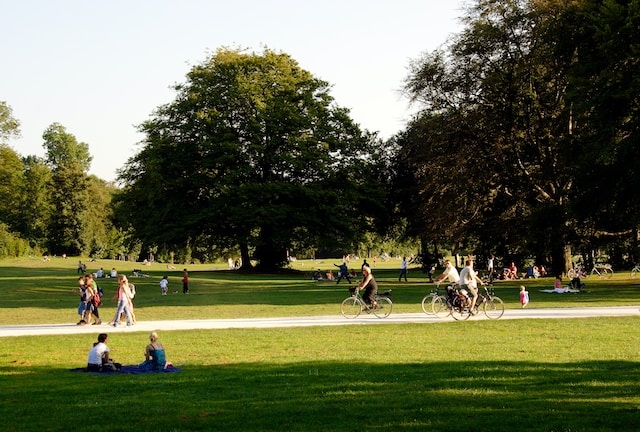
column 506, row 375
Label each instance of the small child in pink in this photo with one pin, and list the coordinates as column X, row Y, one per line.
column 524, row 296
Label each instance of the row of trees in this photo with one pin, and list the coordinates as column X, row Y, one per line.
column 524, row 147
column 528, row 138
column 50, row 205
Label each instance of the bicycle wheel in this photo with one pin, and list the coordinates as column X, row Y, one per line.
column 634, row 273
column 607, row 273
column 494, row 307
column 440, row 307
column 351, row 307
column 385, row 306
column 571, row 273
column 460, row 313
column 426, row 304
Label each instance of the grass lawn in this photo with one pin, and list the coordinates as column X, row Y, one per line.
column 506, row 375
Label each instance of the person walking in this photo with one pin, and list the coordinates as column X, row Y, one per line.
column 343, row 272
column 403, row 269
column 124, row 301
column 164, row 285
column 185, row 282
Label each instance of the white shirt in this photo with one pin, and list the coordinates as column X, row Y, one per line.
column 96, row 353
column 468, row 277
column 452, row 273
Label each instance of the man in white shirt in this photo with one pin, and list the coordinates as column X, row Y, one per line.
column 469, row 280
column 449, row 272
column 99, row 354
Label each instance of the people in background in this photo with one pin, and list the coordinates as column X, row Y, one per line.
column 403, row 269
column 524, row 296
column 185, row 282
column 557, row 286
column 164, row 285
column 343, row 272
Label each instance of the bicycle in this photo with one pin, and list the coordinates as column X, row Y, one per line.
column 605, row 271
column 634, row 271
column 492, row 306
column 575, row 272
column 353, row 306
column 427, row 301
column 458, row 304
column 453, row 303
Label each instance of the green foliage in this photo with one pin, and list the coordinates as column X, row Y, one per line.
column 11, row 175
column 63, row 149
column 517, row 144
column 9, row 125
column 12, row 246
column 251, row 154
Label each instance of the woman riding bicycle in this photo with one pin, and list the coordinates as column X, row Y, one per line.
column 370, row 287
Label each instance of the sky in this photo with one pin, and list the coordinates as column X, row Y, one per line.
column 102, row 68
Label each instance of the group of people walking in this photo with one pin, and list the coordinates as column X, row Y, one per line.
column 91, row 300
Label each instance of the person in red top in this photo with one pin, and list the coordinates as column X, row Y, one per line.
column 185, row 282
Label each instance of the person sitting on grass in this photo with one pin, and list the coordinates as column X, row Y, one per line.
column 98, row 359
column 155, row 357
column 557, row 286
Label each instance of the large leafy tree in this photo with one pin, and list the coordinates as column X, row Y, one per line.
column 252, row 153
column 492, row 149
column 605, row 85
column 69, row 160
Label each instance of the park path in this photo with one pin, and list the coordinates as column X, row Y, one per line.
column 308, row 321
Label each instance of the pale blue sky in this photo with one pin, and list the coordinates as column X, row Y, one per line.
column 100, row 68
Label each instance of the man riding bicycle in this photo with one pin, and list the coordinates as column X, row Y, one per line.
column 449, row 272
column 469, row 280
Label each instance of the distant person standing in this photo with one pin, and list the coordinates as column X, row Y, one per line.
column 524, row 296
column 185, row 282
column 403, row 269
column 490, row 266
column 164, row 285
column 343, row 272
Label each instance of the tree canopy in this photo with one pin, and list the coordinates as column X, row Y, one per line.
column 252, row 153
column 517, row 132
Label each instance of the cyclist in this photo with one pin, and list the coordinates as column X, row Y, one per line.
column 469, row 280
column 449, row 272
column 370, row 287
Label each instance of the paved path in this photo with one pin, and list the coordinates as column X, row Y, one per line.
column 326, row 320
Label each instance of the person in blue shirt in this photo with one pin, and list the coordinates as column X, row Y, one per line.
column 156, row 359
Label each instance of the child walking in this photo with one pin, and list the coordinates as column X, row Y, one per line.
column 164, row 285
column 524, row 296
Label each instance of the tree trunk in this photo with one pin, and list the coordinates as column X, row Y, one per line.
column 244, row 255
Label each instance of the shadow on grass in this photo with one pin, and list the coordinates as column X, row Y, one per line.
column 446, row 396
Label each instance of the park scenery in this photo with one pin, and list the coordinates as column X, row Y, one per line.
column 252, row 193
column 532, row 374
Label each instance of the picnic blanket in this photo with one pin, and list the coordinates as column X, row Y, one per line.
column 575, row 291
column 130, row 369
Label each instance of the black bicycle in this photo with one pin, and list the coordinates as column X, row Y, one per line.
column 457, row 303
column 353, row 306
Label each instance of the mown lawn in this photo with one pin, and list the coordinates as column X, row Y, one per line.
column 529, row 375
